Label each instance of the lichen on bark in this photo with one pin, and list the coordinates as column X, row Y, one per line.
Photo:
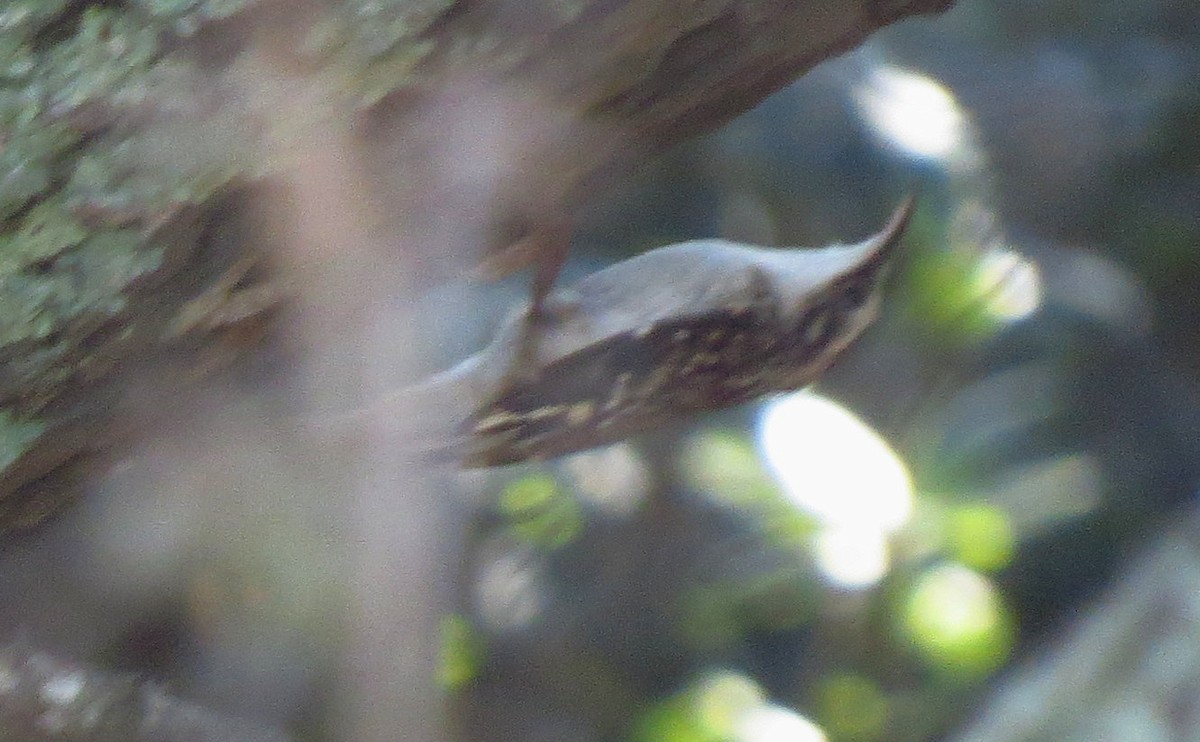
column 93, row 217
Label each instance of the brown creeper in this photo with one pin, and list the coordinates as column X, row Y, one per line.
column 666, row 335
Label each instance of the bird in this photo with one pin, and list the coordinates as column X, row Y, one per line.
column 669, row 334
column 648, row 342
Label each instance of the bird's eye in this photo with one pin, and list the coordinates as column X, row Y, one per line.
column 854, row 293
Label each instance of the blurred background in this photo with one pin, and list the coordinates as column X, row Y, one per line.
column 896, row 554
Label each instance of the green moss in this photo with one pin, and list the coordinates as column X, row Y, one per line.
column 375, row 46
column 21, row 178
column 72, row 240
column 44, row 233
column 15, row 437
column 145, row 178
column 31, row 146
column 53, row 269
column 106, row 260
column 186, row 16
column 371, row 29
column 99, row 60
column 16, row 58
column 24, row 18
column 106, row 137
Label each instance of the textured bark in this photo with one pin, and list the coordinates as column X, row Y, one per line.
column 136, row 135
column 44, row 699
column 1126, row 669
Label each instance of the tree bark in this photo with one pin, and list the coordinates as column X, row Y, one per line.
column 1124, row 669
column 44, row 699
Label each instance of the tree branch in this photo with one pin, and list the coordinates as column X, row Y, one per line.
column 43, row 699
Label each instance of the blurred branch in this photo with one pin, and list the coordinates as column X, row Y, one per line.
column 1125, row 670
column 43, row 699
